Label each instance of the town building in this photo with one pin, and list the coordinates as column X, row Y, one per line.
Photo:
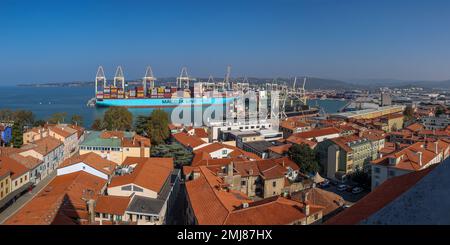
column 342, row 156
column 5, row 134
column 412, row 158
column 67, row 200
column 319, row 134
column 41, row 157
column 369, row 113
column 145, row 190
column 211, row 201
column 436, row 122
column 14, row 180
column 115, row 145
column 292, row 126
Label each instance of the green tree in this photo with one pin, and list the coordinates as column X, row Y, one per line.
column 439, row 111
column 408, row 113
column 23, row 117
column 305, row 157
column 118, row 118
column 158, row 129
column 98, row 124
column 180, row 155
column 141, row 125
column 38, row 123
column 76, row 119
column 17, row 135
column 58, row 117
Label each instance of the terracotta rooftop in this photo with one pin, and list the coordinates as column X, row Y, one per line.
column 318, row 132
column 280, row 149
column 188, row 140
column 43, row 146
column 213, row 206
column 12, row 166
column 112, row 204
column 149, row 173
column 62, row 201
column 92, row 159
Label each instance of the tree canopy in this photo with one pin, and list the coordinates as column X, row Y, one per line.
column 58, row 117
column 158, row 129
column 117, row 118
column 305, row 157
column 180, row 155
column 76, row 119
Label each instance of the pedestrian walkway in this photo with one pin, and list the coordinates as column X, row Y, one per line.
column 25, row 198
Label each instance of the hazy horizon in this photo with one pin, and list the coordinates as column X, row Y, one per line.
column 55, row 41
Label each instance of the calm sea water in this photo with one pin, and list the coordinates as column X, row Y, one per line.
column 43, row 102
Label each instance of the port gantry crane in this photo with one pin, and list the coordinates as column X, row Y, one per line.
column 148, row 82
column 300, row 93
column 119, row 78
column 100, row 79
column 183, row 79
column 227, row 79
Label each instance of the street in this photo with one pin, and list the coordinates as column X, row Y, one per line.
column 349, row 197
column 25, row 198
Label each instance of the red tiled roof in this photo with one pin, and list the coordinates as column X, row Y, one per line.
column 12, row 166
column 188, row 140
column 92, row 159
column 62, row 201
column 318, row 132
column 298, row 140
column 112, row 204
column 43, row 146
column 377, row 199
column 213, row 206
column 280, row 149
column 150, row 173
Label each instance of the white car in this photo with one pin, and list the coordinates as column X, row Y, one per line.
column 357, row 190
column 342, row 187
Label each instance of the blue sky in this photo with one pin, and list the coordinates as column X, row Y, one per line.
column 342, row 39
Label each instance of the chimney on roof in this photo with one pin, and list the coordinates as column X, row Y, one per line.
column 306, row 208
column 436, row 149
column 230, row 169
column 305, row 196
column 91, row 211
column 419, row 153
column 397, row 146
column 245, row 205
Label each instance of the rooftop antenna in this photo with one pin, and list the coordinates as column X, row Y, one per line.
column 100, row 79
column 148, row 79
column 183, row 79
column 119, row 78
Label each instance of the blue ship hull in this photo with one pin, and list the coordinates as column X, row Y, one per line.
column 162, row 102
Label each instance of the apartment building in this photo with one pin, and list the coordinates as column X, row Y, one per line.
column 115, row 145
column 143, row 193
column 211, row 201
column 341, row 156
column 415, row 157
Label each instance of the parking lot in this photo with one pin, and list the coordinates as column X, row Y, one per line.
column 348, row 196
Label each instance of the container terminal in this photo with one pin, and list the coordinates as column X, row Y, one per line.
column 117, row 92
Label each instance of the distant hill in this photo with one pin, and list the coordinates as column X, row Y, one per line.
column 311, row 82
column 395, row 83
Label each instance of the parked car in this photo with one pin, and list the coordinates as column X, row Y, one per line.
column 342, row 187
column 325, row 183
column 357, row 190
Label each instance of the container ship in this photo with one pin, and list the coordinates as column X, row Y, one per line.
column 147, row 95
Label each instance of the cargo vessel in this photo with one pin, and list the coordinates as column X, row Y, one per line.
column 147, row 95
